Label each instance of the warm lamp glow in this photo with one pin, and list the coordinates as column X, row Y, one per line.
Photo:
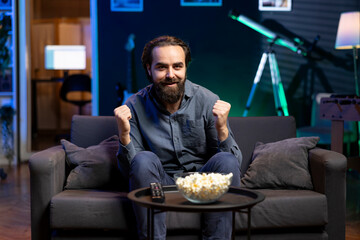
column 348, row 33
column 348, row 37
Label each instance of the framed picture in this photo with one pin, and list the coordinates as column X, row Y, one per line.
column 127, row 5
column 275, row 5
column 5, row 5
column 201, row 3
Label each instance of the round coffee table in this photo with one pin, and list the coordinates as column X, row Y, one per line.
column 235, row 200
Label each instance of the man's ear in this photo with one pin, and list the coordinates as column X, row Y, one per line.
column 148, row 69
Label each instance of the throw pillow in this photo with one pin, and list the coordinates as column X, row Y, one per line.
column 282, row 164
column 93, row 167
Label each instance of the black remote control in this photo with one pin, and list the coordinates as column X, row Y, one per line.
column 157, row 192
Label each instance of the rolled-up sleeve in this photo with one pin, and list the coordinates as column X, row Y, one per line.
column 126, row 153
column 229, row 145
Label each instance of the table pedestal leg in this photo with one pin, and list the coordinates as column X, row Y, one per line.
column 248, row 212
column 249, row 224
column 152, row 223
column 233, row 226
column 148, row 230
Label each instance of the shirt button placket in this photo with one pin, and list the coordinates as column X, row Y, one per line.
column 175, row 137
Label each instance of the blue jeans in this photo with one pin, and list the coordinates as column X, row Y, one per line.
column 146, row 167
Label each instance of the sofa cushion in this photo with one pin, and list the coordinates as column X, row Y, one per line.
column 91, row 209
column 94, row 209
column 280, row 209
column 281, row 165
column 287, row 209
column 93, row 167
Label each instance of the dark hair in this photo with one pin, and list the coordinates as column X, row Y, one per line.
column 162, row 41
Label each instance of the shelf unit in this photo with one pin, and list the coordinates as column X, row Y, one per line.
column 8, row 80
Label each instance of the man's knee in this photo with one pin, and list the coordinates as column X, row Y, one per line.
column 227, row 163
column 144, row 161
column 227, row 160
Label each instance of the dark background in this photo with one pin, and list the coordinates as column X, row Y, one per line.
column 226, row 53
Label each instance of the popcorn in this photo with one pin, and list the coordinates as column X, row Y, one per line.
column 204, row 187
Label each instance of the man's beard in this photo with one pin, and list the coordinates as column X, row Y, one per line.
column 170, row 95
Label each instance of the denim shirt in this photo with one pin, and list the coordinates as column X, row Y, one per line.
column 184, row 140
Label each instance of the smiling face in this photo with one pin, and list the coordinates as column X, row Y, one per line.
column 168, row 73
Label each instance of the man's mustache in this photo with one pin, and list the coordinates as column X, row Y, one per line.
column 170, row 81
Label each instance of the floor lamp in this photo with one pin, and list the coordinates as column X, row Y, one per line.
column 348, row 37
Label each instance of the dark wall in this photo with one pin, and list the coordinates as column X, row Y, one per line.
column 225, row 53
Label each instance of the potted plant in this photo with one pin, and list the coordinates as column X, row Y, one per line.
column 7, row 113
column 5, row 28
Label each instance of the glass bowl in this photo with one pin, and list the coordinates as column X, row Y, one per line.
column 202, row 188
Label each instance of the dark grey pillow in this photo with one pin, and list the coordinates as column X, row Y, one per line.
column 95, row 166
column 282, row 164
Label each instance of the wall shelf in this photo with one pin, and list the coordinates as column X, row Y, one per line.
column 8, row 80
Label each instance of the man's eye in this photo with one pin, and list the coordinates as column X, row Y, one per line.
column 178, row 67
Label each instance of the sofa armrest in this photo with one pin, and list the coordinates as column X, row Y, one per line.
column 328, row 171
column 47, row 178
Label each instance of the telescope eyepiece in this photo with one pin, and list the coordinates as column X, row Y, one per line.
column 233, row 13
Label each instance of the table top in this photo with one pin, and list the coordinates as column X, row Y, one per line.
column 235, row 199
column 340, row 108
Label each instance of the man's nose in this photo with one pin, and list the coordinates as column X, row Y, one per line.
column 170, row 73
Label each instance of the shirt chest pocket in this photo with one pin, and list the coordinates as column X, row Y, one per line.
column 193, row 133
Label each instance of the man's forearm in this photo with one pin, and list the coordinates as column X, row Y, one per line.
column 124, row 138
column 223, row 134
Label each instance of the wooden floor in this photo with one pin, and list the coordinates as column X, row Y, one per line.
column 15, row 205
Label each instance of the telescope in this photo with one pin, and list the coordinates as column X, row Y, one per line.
column 294, row 45
column 278, row 89
column 314, row 52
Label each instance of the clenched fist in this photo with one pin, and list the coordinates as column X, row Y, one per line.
column 221, row 111
column 122, row 116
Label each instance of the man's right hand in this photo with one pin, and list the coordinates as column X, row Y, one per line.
column 122, row 116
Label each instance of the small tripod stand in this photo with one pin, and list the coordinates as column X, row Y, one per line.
column 278, row 89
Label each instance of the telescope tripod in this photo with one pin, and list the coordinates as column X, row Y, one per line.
column 278, row 89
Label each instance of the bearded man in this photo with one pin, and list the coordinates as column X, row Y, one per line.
column 172, row 126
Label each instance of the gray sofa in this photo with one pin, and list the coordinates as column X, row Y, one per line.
column 107, row 213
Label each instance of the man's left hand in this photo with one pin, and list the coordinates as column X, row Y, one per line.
column 221, row 111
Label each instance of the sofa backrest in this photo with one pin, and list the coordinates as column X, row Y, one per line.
column 91, row 130
column 249, row 130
